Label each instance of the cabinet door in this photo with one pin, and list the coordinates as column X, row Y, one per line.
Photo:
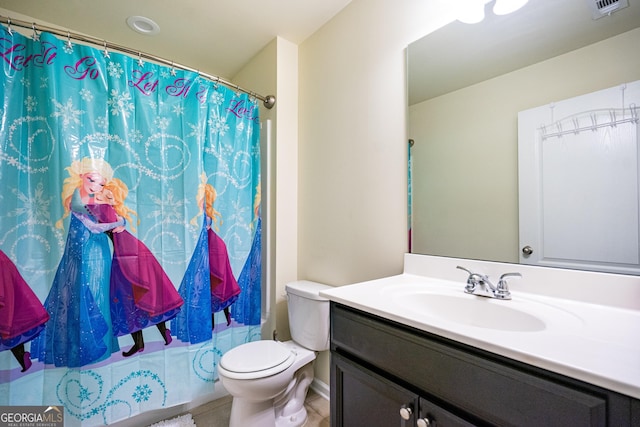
column 362, row 398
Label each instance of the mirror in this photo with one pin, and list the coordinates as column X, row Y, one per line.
column 467, row 84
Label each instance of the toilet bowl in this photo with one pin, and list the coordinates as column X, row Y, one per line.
column 269, row 379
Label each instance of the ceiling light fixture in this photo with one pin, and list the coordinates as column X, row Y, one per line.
column 505, row 7
column 143, row 25
column 472, row 11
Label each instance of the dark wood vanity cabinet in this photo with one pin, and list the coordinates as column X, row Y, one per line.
column 369, row 399
column 387, row 374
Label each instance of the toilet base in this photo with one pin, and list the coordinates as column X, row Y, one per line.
column 294, row 420
column 255, row 414
column 262, row 414
column 285, row 410
column 289, row 408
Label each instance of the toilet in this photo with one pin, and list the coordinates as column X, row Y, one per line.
column 269, row 379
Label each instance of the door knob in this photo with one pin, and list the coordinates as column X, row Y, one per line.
column 527, row 250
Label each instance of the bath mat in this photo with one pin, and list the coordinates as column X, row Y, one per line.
column 181, row 421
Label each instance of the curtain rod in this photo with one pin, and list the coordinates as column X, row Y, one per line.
column 268, row 101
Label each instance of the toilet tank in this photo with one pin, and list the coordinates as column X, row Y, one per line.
column 308, row 314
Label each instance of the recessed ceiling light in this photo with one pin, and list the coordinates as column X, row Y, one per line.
column 143, row 25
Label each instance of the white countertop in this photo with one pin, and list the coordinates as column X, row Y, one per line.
column 598, row 344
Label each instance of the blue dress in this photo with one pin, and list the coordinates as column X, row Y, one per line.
column 208, row 286
column 193, row 322
column 79, row 330
column 247, row 307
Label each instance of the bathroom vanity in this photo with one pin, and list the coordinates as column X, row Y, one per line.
column 392, row 364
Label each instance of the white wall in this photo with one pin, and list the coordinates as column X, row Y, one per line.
column 352, row 141
column 352, row 223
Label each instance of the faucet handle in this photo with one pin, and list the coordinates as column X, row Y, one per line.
column 509, row 275
column 471, row 284
column 465, row 269
column 502, row 290
column 473, row 280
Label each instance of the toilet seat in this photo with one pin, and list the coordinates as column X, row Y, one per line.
column 256, row 359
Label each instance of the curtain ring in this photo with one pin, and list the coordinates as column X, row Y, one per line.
column 69, row 40
column 543, row 131
column 105, row 53
column 9, row 29
column 173, row 69
column 140, row 61
column 35, row 37
column 634, row 113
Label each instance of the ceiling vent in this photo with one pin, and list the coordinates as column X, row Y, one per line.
column 600, row 8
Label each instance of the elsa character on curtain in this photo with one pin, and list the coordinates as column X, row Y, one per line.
column 209, row 270
column 79, row 331
column 22, row 316
column 141, row 293
column 246, row 310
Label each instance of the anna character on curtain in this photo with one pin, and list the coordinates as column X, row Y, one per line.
column 141, row 293
column 22, row 316
column 79, row 331
column 209, row 269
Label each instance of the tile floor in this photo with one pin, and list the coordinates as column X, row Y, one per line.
column 216, row 413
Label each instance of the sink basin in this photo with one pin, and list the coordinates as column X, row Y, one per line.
column 475, row 311
column 454, row 306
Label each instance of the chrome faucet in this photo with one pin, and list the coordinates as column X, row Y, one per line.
column 479, row 284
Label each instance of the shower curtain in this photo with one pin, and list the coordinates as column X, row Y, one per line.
column 129, row 229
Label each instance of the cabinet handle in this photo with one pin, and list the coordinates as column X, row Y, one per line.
column 426, row 422
column 406, row 412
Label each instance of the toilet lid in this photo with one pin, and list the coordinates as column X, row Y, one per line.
column 257, row 359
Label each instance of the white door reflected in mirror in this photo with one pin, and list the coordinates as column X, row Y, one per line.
column 579, row 182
